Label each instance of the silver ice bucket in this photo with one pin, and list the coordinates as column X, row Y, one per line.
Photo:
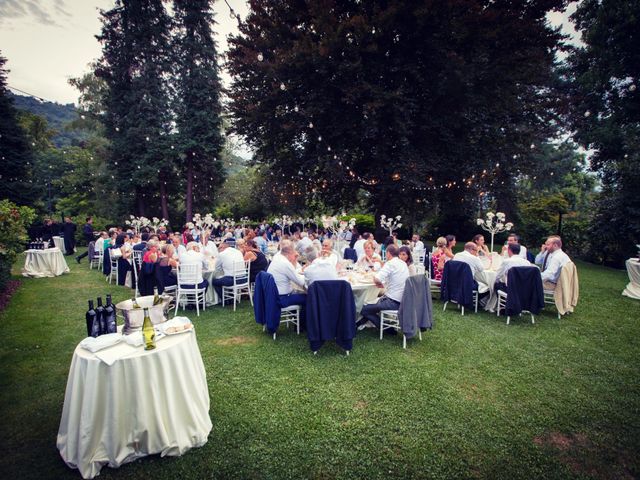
column 134, row 317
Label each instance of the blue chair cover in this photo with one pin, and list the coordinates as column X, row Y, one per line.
column 106, row 261
column 531, row 257
column 266, row 302
column 350, row 254
column 457, row 283
column 524, row 290
column 331, row 313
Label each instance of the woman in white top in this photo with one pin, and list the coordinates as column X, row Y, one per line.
column 370, row 260
column 482, row 247
column 404, row 254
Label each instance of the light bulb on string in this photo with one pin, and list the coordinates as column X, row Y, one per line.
column 260, row 57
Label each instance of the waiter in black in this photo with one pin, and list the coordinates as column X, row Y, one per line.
column 69, row 233
column 87, row 232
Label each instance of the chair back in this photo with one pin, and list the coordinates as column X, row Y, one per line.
column 331, row 313
column 136, row 255
column 416, row 309
column 266, row 302
column 457, row 283
column 188, row 274
column 241, row 273
column 524, row 290
column 419, row 256
column 350, row 254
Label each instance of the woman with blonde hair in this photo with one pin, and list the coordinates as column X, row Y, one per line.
column 438, row 258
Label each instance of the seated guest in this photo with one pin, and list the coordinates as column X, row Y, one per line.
column 483, row 250
column 470, row 256
column 370, row 260
column 392, row 276
column 179, row 247
column 262, row 242
column 552, row 259
column 304, row 243
column 228, row 259
column 448, row 249
column 209, row 248
column 283, row 268
column 257, row 260
column 147, row 279
column 359, row 245
column 166, row 264
column 513, row 238
column 111, row 241
column 514, row 260
column 404, row 254
column 144, row 238
column 318, row 268
column 328, row 253
column 439, row 258
column 416, row 244
column 194, row 257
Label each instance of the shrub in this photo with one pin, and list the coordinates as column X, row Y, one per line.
column 14, row 221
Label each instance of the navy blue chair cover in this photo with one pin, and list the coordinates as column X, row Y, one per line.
column 457, row 283
column 147, row 278
column 350, row 254
column 123, row 267
column 531, row 257
column 524, row 290
column 331, row 314
column 266, row 302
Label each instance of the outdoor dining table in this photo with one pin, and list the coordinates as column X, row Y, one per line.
column 632, row 290
column 59, row 243
column 364, row 290
column 44, row 263
column 124, row 403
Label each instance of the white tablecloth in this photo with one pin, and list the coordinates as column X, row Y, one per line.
column 364, row 293
column 211, row 296
column 632, row 289
column 486, row 280
column 44, row 263
column 146, row 403
column 59, row 243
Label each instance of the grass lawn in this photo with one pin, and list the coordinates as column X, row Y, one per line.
column 475, row 399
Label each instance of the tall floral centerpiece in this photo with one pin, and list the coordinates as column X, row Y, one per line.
column 337, row 227
column 283, row 222
column 391, row 223
column 138, row 223
column 156, row 223
column 494, row 223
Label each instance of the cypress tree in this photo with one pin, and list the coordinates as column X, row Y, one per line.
column 197, row 102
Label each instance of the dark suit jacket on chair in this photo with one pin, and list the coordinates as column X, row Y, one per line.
column 331, row 313
column 457, row 283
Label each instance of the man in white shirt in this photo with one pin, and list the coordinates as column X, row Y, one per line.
column 552, row 259
column 328, row 253
column 283, row 269
column 514, row 260
column 304, row 243
column 318, row 268
column 470, row 256
column 192, row 256
column 177, row 244
column 416, row 244
column 513, row 238
column 392, row 276
column 359, row 245
column 229, row 259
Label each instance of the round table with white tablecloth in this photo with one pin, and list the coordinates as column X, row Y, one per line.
column 59, row 243
column 44, row 263
column 632, row 290
column 144, row 403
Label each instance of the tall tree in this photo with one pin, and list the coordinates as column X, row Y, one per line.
column 15, row 152
column 198, row 108
column 136, row 67
column 408, row 101
column 604, row 78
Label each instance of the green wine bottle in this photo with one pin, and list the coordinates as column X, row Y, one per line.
column 148, row 333
column 135, row 303
column 156, row 297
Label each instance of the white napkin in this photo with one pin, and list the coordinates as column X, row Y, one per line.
column 95, row 344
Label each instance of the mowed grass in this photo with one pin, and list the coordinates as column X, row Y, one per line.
column 475, row 399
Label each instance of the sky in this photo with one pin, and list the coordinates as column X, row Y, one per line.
column 46, row 42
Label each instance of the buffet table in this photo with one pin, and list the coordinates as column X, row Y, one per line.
column 144, row 403
column 44, row 263
column 632, row 289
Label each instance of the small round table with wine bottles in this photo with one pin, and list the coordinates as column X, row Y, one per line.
column 145, row 402
column 48, row 262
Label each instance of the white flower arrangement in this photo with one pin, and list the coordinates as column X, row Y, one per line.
column 137, row 223
column 391, row 223
column 494, row 223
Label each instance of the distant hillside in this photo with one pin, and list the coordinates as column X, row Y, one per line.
column 57, row 116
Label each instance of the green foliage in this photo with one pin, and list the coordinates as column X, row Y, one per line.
column 603, row 78
column 364, row 222
column 14, row 221
column 223, row 211
column 540, row 217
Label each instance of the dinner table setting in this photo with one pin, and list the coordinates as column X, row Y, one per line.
column 46, row 262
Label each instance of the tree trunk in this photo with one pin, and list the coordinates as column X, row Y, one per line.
column 559, row 223
column 189, row 199
column 163, row 198
column 139, row 203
